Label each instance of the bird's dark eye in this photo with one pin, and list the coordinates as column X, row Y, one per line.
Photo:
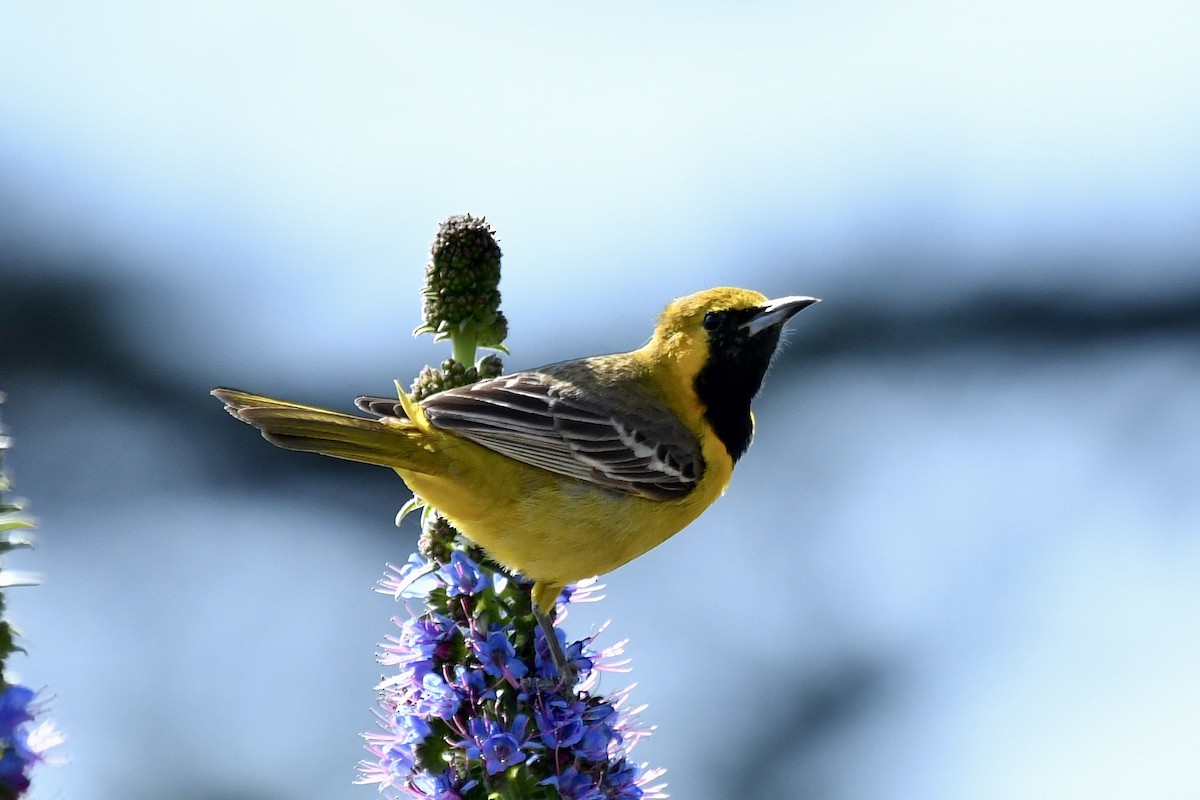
column 712, row 321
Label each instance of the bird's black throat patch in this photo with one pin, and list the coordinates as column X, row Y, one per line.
column 732, row 375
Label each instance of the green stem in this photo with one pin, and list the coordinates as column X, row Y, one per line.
column 464, row 346
column 507, row 791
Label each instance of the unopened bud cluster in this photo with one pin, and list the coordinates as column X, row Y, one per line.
column 462, row 280
column 452, row 374
column 438, row 538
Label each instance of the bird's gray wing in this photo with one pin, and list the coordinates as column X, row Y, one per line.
column 631, row 446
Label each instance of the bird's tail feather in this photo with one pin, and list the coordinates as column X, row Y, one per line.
column 317, row 430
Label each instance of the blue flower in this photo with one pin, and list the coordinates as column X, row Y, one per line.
column 439, row 786
column 413, row 581
column 598, row 731
column 399, row 755
column 14, row 773
column 436, row 698
column 15, row 702
column 575, row 785
column 398, row 760
column 499, row 748
column 410, row 729
column 560, row 723
column 497, row 655
column 621, row 782
column 21, row 747
column 463, row 575
column 421, row 640
column 473, row 685
column 573, row 652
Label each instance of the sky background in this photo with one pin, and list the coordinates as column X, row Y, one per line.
column 961, row 558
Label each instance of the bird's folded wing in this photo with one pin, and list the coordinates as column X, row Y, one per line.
column 547, row 422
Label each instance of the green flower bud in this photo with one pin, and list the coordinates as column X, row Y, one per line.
column 493, row 334
column 451, row 375
column 462, row 277
column 491, row 367
column 437, row 538
column 428, row 382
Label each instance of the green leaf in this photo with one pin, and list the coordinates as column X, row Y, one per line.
column 12, row 577
column 16, row 522
column 414, row 504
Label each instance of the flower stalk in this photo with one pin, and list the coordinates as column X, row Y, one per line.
column 474, row 706
column 23, row 743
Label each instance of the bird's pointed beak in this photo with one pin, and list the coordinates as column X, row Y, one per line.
column 776, row 312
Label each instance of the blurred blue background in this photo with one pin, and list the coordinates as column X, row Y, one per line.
column 962, row 558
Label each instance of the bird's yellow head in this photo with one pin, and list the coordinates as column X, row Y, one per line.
column 720, row 343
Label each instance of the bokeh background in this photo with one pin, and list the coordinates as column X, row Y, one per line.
column 962, row 558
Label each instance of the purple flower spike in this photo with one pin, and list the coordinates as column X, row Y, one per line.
column 472, row 703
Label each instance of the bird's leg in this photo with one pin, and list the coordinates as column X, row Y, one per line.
column 565, row 673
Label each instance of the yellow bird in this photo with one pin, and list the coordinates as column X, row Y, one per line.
column 573, row 469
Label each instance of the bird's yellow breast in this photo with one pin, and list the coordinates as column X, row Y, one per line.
column 551, row 528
